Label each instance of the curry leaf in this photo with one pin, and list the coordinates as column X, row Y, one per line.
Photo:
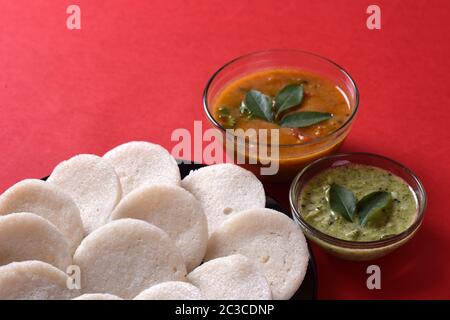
column 342, row 201
column 259, row 105
column 371, row 206
column 304, row 119
column 290, row 96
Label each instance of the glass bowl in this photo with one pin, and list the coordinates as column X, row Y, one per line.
column 291, row 157
column 356, row 250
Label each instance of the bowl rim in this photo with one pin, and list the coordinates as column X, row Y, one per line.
column 341, row 128
column 349, row 244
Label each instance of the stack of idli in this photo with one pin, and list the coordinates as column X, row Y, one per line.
column 134, row 230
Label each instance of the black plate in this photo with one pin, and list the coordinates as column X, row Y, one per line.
column 308, row 289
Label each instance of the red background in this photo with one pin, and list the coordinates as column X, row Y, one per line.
column 136, row 70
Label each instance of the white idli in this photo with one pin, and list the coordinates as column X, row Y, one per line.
column 140, row 163
column 233, row 277
column 48, row 202
column 272, row 239
column 26, row 236
column 223, row 190
column 175, row 211
column 126, row 256
column 93, row 184
column 33, row 280
column 97, row 296
column 171, row 290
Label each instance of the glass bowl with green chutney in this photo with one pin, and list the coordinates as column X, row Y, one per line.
column 358, row 206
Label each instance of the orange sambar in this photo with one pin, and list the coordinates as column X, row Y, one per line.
column 297, row 146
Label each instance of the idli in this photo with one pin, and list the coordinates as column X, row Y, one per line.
column 93, row 184
column 33, row 280
column 175, row 211
column 233, row 277
column 49, row 202
column 171, row 290
column 270, row 238
column 97, row 296
column 26, row 236
column 126, row 256
column 223, row 190
column 140, row 163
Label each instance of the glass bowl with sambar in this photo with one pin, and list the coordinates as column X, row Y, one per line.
column 280, row 110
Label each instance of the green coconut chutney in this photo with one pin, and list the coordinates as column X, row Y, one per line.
column 362, row 180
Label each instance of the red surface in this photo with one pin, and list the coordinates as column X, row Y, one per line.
column 137, row 69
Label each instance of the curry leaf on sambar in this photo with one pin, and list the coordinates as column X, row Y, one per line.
column 304, row 119
column 290, row 96
column 259, row 105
